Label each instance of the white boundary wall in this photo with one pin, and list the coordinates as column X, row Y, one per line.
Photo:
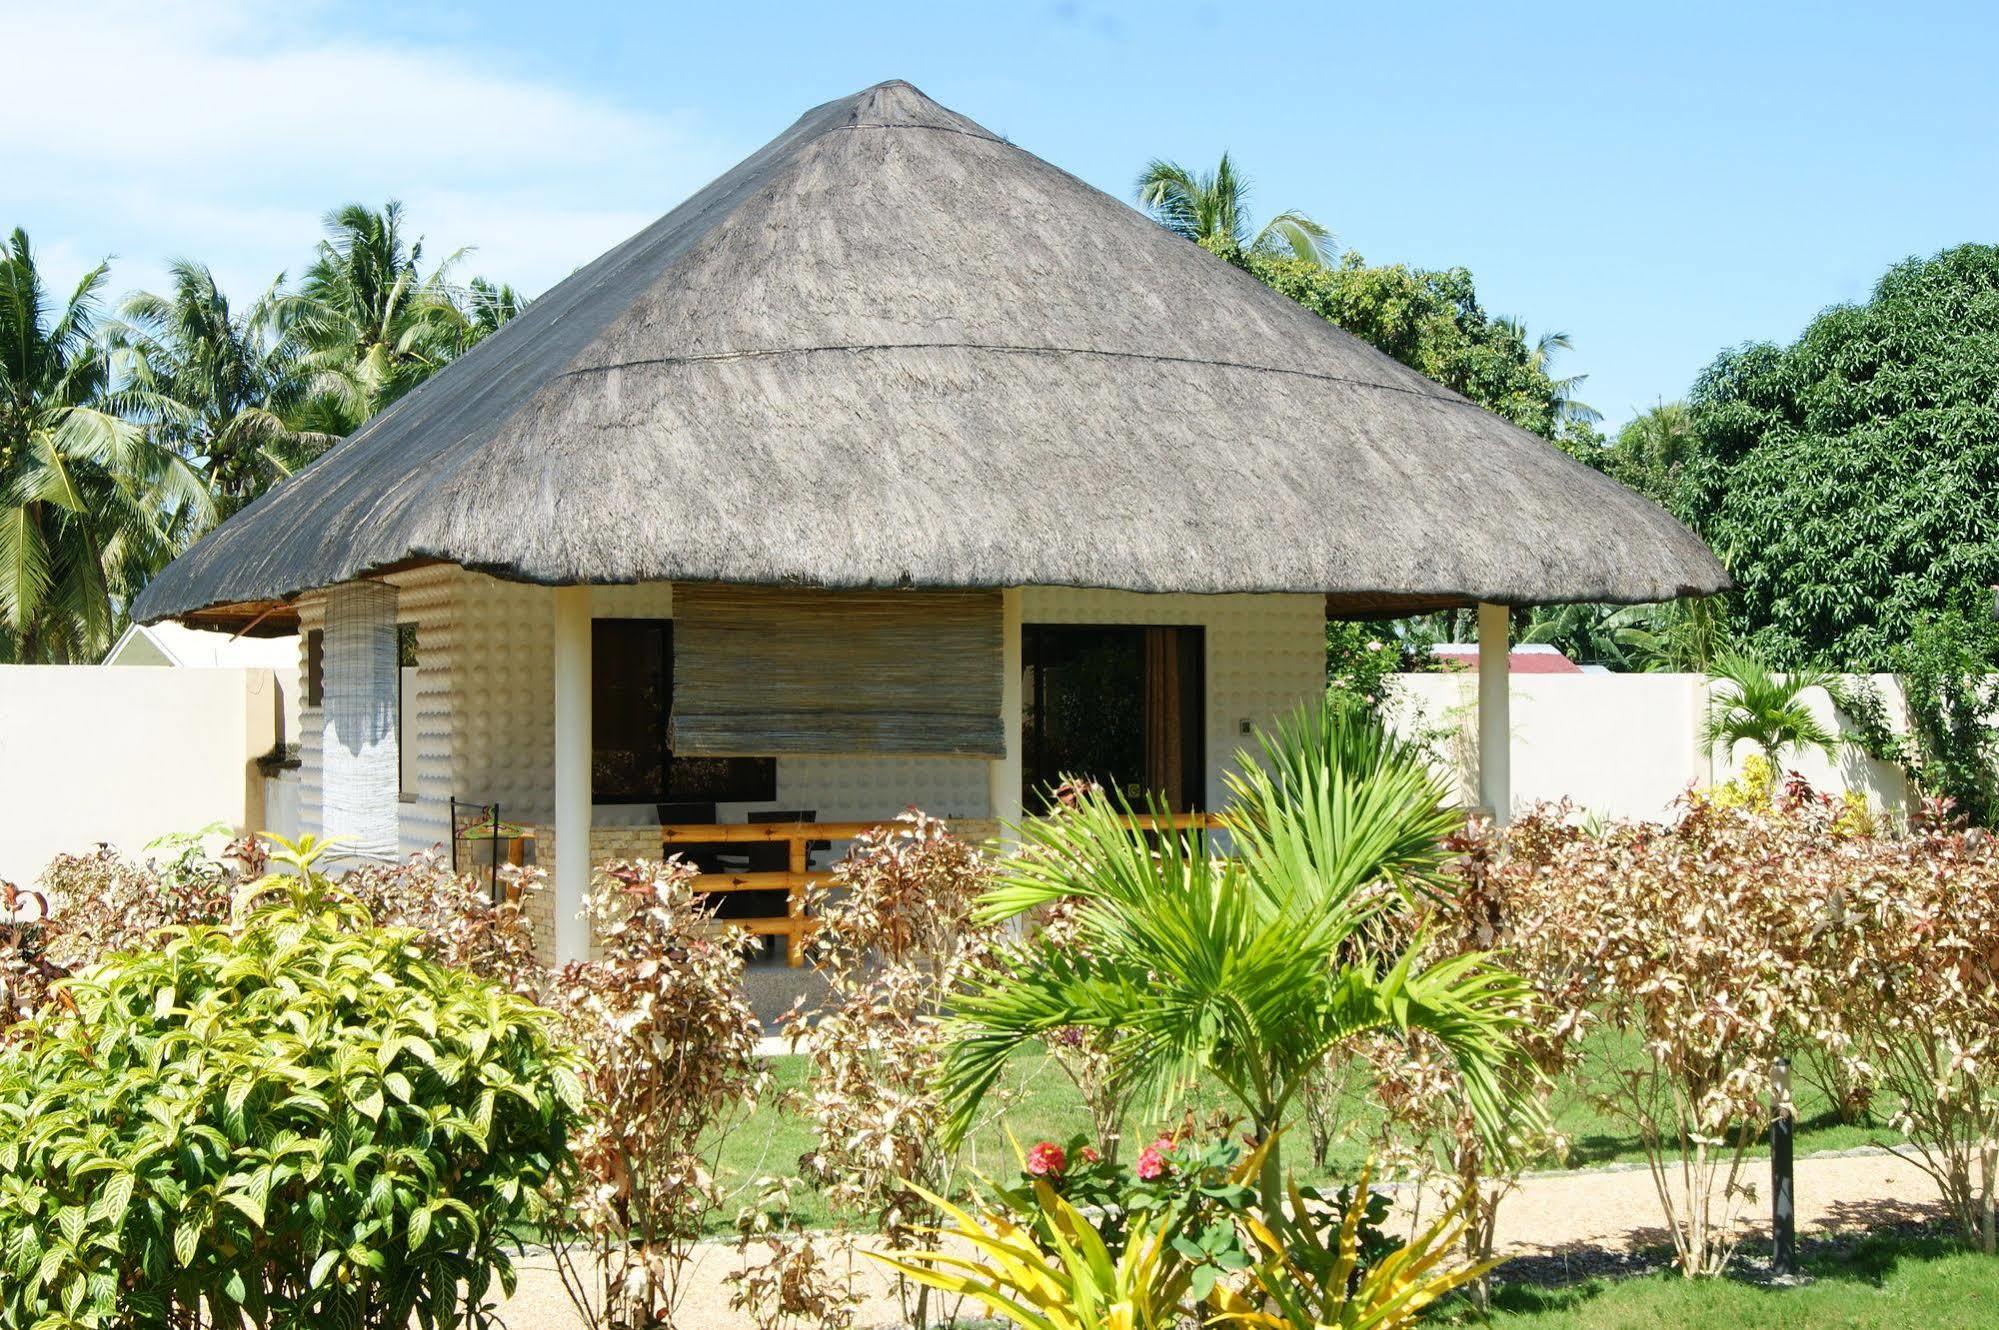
column 1622, row 745
column 90, row 755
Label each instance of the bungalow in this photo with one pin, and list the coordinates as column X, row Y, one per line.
column 895, row 466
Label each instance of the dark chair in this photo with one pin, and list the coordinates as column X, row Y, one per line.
column 707, row 858
column 775, row 857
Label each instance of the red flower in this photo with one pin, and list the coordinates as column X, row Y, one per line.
column 1089, row 1154
column 1151, row 1164
column 1046, row 1160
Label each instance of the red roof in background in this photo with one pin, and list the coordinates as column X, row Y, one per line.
column 1520, row 660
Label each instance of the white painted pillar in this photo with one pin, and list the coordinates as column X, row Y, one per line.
column 572, row 772
column 1003, row 773
column 1495, row 727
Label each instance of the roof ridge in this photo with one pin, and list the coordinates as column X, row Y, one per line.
column 757, row 353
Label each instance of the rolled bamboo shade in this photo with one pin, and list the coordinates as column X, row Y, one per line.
column 771, row 670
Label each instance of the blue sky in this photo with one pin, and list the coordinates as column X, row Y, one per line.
column 1660, row 181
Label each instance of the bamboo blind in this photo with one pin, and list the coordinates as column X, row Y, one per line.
column 772, row 670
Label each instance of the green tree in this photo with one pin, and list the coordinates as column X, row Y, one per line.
column 1753, row 705
column 484, row 309
column 1541, row 353
column 1651, row 451
column 1211, row 208
column 1674, row 636
column 376, row 321
column 1433, row 323
column 218, row 386
column 89, row 506
column 1245, row 972
column 1951, row 694
column 1851, row 475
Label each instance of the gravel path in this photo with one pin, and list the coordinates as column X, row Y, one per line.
column 1556, row 1227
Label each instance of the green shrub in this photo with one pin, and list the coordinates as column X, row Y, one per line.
column 299, row 1119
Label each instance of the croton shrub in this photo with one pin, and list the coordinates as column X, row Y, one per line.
column 295, row 1119
column 1763, row 922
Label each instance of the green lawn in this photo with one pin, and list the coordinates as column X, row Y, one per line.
column 1045, row 1106
column 1882, row 1283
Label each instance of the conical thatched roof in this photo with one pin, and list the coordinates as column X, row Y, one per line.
column 892, row 349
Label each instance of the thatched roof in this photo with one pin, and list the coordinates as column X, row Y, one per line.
column 892, row 349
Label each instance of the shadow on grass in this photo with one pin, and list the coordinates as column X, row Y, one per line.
column 1898, row 1244
column 1588, row 1149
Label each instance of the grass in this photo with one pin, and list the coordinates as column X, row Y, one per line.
column 1044, row 1106
column 1878, row 1283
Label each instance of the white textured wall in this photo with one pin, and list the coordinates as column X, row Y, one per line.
column 124, row 756
column 1623, row 745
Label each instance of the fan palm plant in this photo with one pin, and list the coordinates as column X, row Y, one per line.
column 89, row 504
column 1212, row 210
column 1244, row 972
column 1756, row 706
column 219, row 386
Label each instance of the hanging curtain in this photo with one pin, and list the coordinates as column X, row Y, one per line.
column 761, row 671
column 1164, row 756
column 360, row 763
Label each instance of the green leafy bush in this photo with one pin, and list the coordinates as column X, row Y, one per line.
column 297, row 1119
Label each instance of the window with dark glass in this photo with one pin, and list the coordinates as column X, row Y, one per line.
column 315, row 667
column 631, row 697
column 1123, row 706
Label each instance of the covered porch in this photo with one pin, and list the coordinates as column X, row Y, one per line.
column 1153, row 694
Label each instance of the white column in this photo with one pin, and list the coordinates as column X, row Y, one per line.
column 1495, row 736
column 572, row 771
column 1003, row 773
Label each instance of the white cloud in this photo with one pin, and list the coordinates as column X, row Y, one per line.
column 224, row 130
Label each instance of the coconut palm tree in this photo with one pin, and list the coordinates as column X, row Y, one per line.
column 1212, row 210
column 376, row 322
column 1650, row 452
column 219, row 386
column 1541, row 352
column 1246, row 972
column 89, row 506
column 485, row 308
column 1754, row 705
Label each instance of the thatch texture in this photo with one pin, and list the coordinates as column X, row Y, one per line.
column 759, row 671
column 890, row 349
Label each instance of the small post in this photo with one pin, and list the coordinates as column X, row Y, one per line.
column 1783, row 1187
column 1495, row 725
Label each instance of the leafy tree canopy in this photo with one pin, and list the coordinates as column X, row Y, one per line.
column 1848, row 479
column 1432, row 322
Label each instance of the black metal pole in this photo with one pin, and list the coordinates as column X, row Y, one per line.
column 1783, row 1186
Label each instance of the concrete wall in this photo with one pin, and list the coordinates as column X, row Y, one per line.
column 1623, row 745
column 91, row 755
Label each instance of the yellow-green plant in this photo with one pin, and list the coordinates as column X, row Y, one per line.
column 1062, row 1278
column 294, row 1120
column 1315, row 1279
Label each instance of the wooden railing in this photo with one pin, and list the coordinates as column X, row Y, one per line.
column 795, row 925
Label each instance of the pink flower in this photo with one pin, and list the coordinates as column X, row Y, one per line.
column 1151, row 1164
column 1046, row 1160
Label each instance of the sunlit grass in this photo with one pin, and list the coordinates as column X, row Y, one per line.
column 1042, row 1104
column 1881, row 1283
